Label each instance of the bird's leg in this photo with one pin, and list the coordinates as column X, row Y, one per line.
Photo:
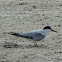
column 35, row 44
column 42, row 40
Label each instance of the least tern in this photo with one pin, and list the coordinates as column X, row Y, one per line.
column 36, row 35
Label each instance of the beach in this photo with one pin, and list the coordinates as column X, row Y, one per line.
column 24, row 16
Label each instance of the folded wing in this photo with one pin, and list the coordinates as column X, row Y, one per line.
column 31, row 35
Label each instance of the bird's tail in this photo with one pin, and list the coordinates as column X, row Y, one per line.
column 19, row 34
column 16, row 34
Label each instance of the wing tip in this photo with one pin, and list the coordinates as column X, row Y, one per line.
column 9, row 33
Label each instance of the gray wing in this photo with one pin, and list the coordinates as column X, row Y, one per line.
column 38, row 37
column 31, row 35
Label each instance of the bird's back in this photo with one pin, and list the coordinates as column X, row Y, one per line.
column 35, row 35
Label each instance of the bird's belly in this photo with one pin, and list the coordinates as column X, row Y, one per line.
column 38, row 38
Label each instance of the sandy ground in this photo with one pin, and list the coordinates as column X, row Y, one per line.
column 26, row 15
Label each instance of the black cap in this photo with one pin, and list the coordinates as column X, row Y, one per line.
column 47, row 27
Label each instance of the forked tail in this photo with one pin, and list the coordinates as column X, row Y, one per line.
column 16, row 34
column 20, row 35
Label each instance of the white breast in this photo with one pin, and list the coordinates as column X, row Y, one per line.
column 45, row 32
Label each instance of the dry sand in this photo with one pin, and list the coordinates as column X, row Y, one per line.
column 26, row 15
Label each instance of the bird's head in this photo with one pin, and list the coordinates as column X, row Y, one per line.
column 48, row 28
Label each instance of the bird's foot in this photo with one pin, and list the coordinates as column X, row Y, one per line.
column 35, row 45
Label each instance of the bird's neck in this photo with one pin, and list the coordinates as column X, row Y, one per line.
column 45, row 32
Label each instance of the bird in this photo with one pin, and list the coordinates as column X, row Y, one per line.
column 35, row 35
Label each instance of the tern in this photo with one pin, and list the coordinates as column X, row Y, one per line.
column 35, row 35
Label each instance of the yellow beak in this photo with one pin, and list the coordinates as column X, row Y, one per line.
column 53, row 30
